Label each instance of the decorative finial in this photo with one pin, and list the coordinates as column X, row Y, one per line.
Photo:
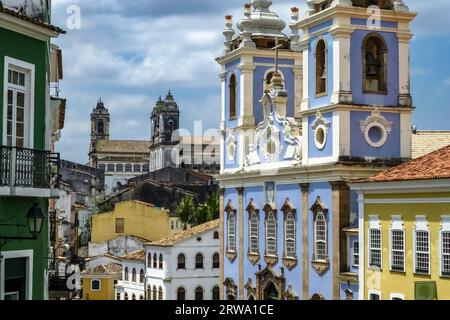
column 228, row 33
column 246, row 25
column 295, row 36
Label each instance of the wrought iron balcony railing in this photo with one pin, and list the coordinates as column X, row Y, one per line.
column 27, row 168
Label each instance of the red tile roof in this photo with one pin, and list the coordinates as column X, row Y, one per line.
column 435, row 165
column 38, row 22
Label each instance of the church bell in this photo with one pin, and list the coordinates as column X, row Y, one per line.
column 373, row 66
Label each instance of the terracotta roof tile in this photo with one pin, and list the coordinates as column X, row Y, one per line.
column 135, row 256
column 435, row 165
column 111, row 268
column 35, row 21
column 424, row 142
column 185, row 235
column 122, row 146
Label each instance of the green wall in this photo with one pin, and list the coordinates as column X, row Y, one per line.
column 21, row 47
column 14, row 210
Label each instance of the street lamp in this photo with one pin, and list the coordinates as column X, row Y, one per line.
column 35, row 221
column 35, row 218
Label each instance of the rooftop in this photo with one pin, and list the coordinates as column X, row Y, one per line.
column 122, row 146
column 185, row 235
column 27, row 18
column 135, row 256
column 435, row 165
column 111, row 268
column 424, row 142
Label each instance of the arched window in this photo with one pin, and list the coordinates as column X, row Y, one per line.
column 160, row 261
column 216, row 235
column 181, row 262
column 254, row 230
column 170, row 125
column 232, row 88
column 126, row 274
column 137, row 168
column 134, row 275
column 199, row 261
column 102, row 167
column 155, row 261
column 232, row 232
column 375, row 64
column 145, row 167
column 155, row 293
column 199, row 294
column 111, row 168
column 160, row 293
column 216, row 293
column 128, row 168
column 321, row 68
column 119, row 168
column 95, row 285
column 181, row 294
column 271, row 234
column 149, row 292
column 216, row 260
column 320, row 237
column 290, row 238
column 141, row 276
column 149, row 260
column 133, row 297
column 141, row 297
column 100, row 127
column 126, row 296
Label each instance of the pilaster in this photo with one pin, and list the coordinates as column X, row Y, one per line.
column 305, row 243
column 221, row 243
column 241, row 253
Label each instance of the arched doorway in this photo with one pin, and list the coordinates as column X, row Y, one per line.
column 271, row 292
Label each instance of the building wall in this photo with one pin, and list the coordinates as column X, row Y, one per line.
column 128, row 286
column 191, row 278
column 141, row 220
column 106, row 291
column 403, row 283
column 36, row 52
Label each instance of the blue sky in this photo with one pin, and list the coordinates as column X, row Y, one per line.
column 129, row 52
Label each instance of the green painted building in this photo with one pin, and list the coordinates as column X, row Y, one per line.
column 28, row 168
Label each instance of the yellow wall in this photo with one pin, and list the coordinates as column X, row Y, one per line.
column 403, row 283
column 141, row 220
column 106, row 292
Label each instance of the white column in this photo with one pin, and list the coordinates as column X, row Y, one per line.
column 341, row 69
column 246, row 70
column 298, row 76
column 404, row 72
column 405, row 135
column 305, row 102
column 223, row 77
column 362, row 246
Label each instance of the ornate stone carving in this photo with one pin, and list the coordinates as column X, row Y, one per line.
column 321, row 267
column 290, row 263
column 253, row 258
column 271, row 260
column 377, row 121
column 231, row 255
column 290, row 294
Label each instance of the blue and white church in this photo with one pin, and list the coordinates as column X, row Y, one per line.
column 302, row 115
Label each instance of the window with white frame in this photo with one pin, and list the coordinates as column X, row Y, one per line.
column 271, row 234
column 397, row 244
column 290, row 238
column 374, row 295
column 18, row 114
column 254, row 230
column 421, row 246
column 95, row 285
column 445, row 246
column 375, row 256
column 232, row 232
column 320, row 236
column 356, row 254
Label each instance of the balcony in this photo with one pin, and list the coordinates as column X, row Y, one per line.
column 28, row 173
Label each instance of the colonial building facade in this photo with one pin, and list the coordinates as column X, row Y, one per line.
column 30, row 123
column 120, row 159
column 405, row 230
column 301, row 117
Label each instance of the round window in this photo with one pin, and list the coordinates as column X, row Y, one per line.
column 320, row 137
column 376, row 135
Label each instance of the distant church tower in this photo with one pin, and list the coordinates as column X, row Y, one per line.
column 165, row 121
column 100, row 120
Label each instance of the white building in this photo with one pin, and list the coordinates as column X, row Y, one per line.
column 184, row 266
column 132, row 285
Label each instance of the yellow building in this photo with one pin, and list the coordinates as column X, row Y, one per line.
column 131, row 218
column 99, row 282
column 404, row 227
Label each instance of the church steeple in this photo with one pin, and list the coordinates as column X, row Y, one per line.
column 165, row 120
column 100, row 120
